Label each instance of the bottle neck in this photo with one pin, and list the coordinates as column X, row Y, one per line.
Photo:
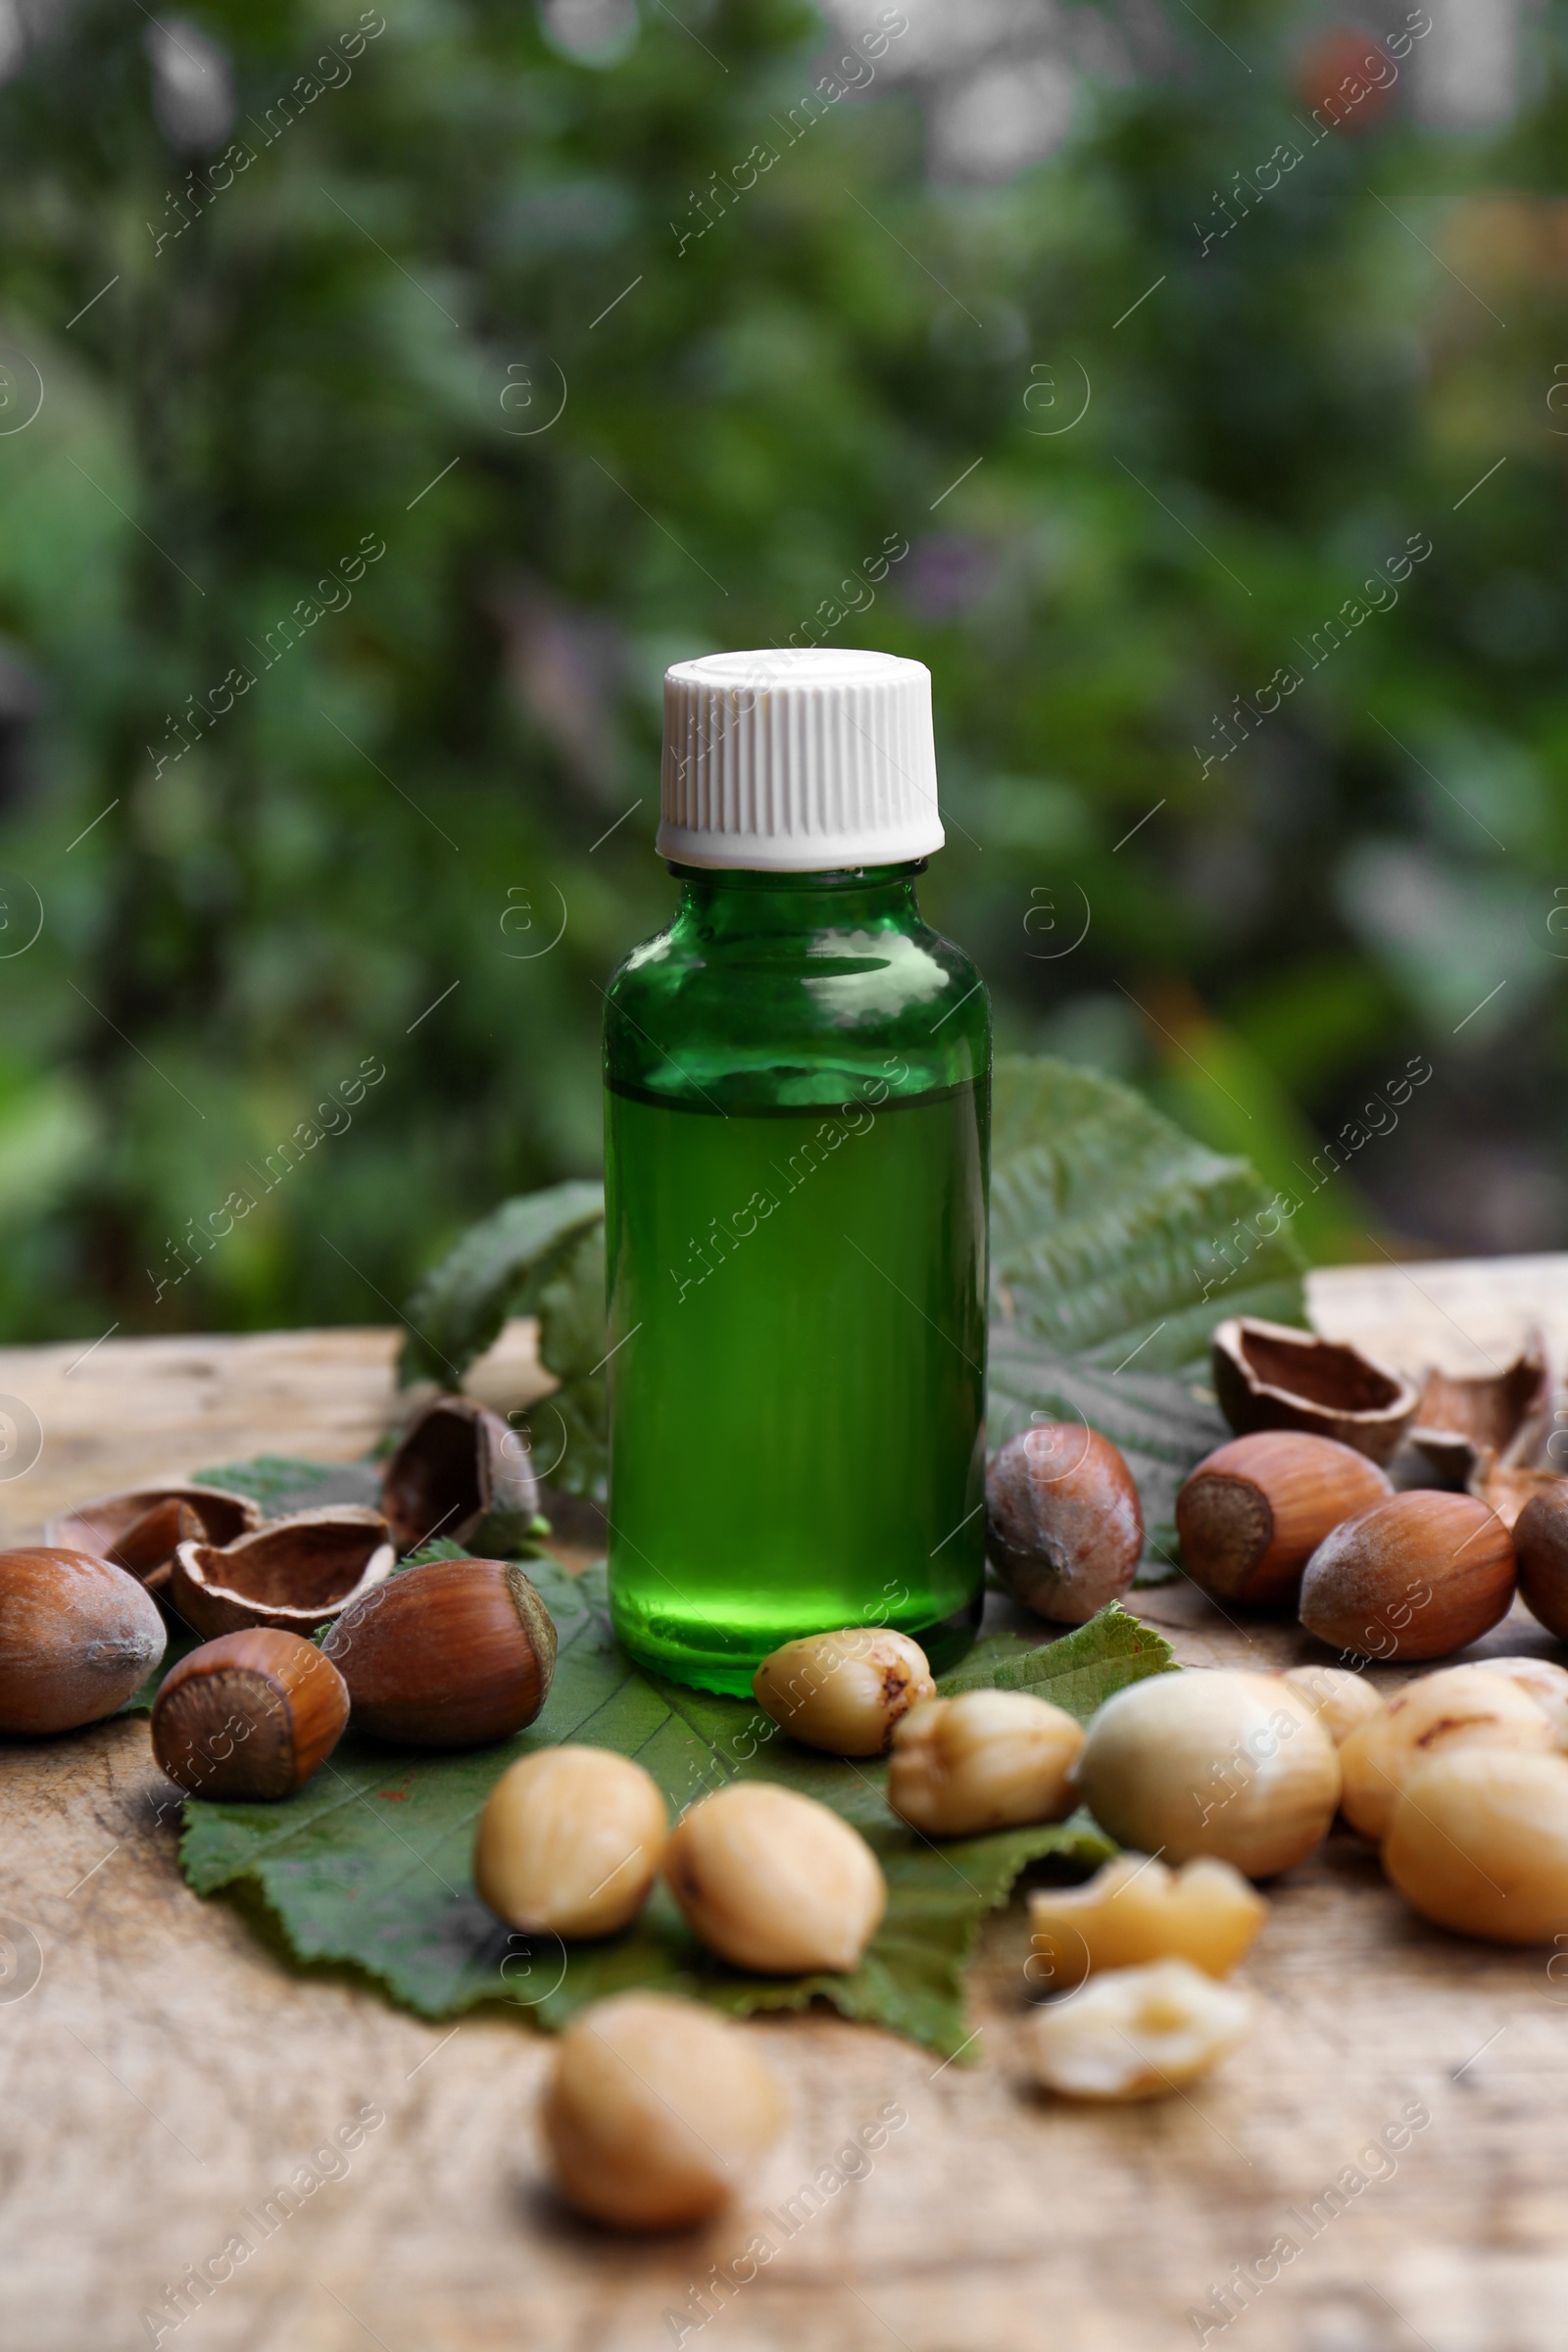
column 736, row 902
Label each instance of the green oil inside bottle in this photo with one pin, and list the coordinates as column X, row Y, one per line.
column 796, row 1135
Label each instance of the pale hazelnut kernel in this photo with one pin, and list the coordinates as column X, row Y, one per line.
column 775, row 1882
column 844, row 1692
column 985, row 1760
column 1479, row 1842
column 1211, row 1761
column 1135, row 1910
column 1340, row 1699
column 1459, row 1706
column 1546, row 1684
column 652, row 2108
column 1138, row 2032
column 570, row 1841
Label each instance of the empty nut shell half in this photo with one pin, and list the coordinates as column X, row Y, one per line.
column 453, row 1654
column 1271, row 1376
column 1254, row 1512
column 77, row 1638
column 1418, row 1576
column 142, row 1529
column 293, row 1574
column 459, row 1473
column 249, row 1716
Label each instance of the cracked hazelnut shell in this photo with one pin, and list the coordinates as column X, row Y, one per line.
column 1272, row 1376
column 294, row 1574
column 1064, row 1527
column 249, row 1716
column 77, row 1638
column 458, row 1470
column 453, row 1654
column 141, row 1529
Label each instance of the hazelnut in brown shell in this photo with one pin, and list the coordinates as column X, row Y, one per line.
column 1065, row 1528
column 1253, row 1511
column 1540, row 1539
column 249, row 1716
column 452, row 1654
column 77, row 1638
column 1417, row 1576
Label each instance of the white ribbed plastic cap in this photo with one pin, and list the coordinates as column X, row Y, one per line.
column 799, row 762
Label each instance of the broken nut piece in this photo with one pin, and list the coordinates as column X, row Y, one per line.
column 1139, row 2032
column 1135, row 1910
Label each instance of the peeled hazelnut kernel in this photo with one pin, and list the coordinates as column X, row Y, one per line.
column 1341, row 1699
column 453, row 1654
column 1252, row 1513
column 570, row 1841
column 77, row 1638
column 1418, row 1576
column 985, row 1760
column 844, row 1692
column 248, row 1716
column 775, row 1882
column 1460, row 1706
column 651, row 2106
column 1479, row 1842
column 1207, row 1761
column 1065, row 1528
column 1135, row 1910
column 1540, row 1541
column 1139, row 2032
column 1547, row 1685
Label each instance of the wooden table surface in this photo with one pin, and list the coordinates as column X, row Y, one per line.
column 162, row 2075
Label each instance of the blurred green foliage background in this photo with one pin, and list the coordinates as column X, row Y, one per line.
column 493, row 291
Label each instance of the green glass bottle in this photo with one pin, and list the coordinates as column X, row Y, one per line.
column 797, row 1107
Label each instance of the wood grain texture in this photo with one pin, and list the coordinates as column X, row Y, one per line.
column 164, row 2075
